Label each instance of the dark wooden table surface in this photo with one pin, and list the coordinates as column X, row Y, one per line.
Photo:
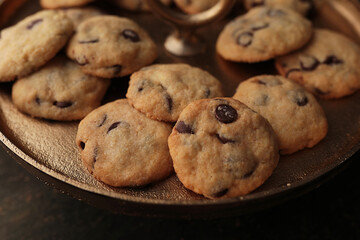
column 29, row 209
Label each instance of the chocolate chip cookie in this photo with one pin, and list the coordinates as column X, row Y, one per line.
column 221, row 148
column 32, row 42
column 295, row 115
column 122, row 147
column 328, row 66
column 162, row 91
column 59, row 91
column 111, row 46
column 300, row 6
column 262, row 34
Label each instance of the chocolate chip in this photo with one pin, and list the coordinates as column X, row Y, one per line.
column 275, row 13
column 245, row 39
column 298, row 97
column 309, row 63
column 140, row 89
column 259, row 26
column 291, row 71
column 220, row 193
column 169, row 102
column 268, row 82
column 64, row 104
column 82, row 145
column 113, row 126
column 256, row 3
column 33, row 23
column 248, row 174
column 261, row 82
column 225, row 113
column 224, row 140
column 88, row 41
column 37, row 100
column 332, row 60
column 131, row 35
column 102, row 121
column 182, row 127
column 207, row 93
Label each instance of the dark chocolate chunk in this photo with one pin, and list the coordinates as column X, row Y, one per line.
column 64, row 104
column 113, row 126
column 224, row 140
column 88, row 41
column 33, row 23
column 131, row 35
column 332, row 60
column 169, row 102
column 298, row 97
column 292, row 70
column 220, row 193
column 82, row 145
column 37, row 100
column 259, row 81
column 207, row 93
column 182, row 127
column 225, row 113
column 102, row 121
column 245, row 39
column 309, row 63
column 259, row 26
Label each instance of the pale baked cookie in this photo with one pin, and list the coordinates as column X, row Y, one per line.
column 32, row 42
column 162, row 91
column 110, row 46
column 221, row 148
column 59, row 91
column 300, row 6
column 262, row 34
column 52, row 4
column 136, row 5
column 195, row 6
column 295, row 115
column 328, row 66
column 122, row 147
column 78, row 15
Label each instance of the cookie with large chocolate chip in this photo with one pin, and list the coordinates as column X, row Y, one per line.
column 52, row 4
column 136, row 5
column 300, row 6
column 122, row 147
column 328, row 66
column 32, row 42
column 162, row 91
column 110, row 46
column 295, row 115
column 262, row 34
column 221, row 148
column 192, row 6
column 59, row 91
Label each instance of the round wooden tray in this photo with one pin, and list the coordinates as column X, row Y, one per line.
column 47, row 148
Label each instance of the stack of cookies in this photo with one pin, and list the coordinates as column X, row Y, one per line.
column 175, row 116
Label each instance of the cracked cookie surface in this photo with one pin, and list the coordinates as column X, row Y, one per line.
column 162, row 91
column 222, row 148
column 110, row 46
column 122, row 147
column 294, row 113
column 59, row 91
column 43, row 34
column 328, row 66
column 262, row 34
